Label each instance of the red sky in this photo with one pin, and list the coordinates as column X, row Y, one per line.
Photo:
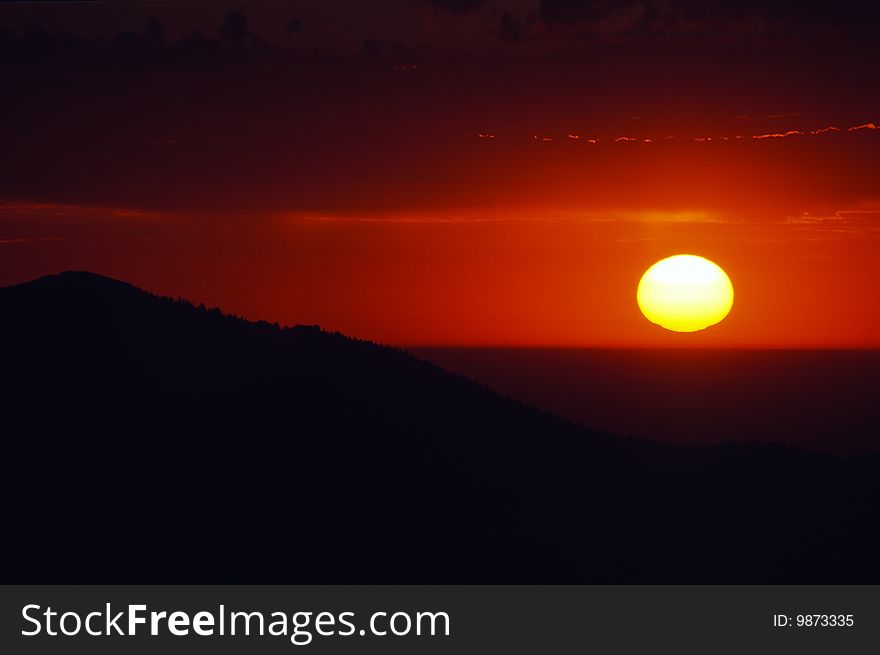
column 341, row 179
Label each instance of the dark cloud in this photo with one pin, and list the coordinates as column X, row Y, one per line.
column 457, row 7
column 682, row 17
column 374, row 47
column 570, row 12
column 391, row 49
column 510, row 29
column 154, row 31
column 485, row 23
column 273, row 126
column 234, row 28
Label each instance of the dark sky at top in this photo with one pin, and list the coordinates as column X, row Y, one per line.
column 465, row 25
column 282, row 104
column 482, row 164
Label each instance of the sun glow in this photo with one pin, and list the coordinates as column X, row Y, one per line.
column 685, row 293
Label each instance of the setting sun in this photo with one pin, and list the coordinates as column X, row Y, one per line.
column 685, row 293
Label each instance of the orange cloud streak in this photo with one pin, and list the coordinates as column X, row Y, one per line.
column 703, row 139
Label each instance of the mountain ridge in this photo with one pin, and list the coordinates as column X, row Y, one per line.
column 367, row 463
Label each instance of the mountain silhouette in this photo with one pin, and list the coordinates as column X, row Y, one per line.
column 149, row 440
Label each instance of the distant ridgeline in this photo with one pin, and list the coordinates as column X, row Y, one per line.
column 148, row 440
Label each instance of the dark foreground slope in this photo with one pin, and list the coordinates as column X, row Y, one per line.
column 147, row 440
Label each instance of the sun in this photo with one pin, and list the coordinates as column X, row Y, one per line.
column 685, row 293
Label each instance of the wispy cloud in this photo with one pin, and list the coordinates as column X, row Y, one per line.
column 11, row 241
column 516, row 216
column 847, row 222
column 863, row 126
column 62, row 210
column 788, row 114
column 574, row 137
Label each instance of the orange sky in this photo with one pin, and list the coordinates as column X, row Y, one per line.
column 545, row 251
column 499, row 277
column 336, row 174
